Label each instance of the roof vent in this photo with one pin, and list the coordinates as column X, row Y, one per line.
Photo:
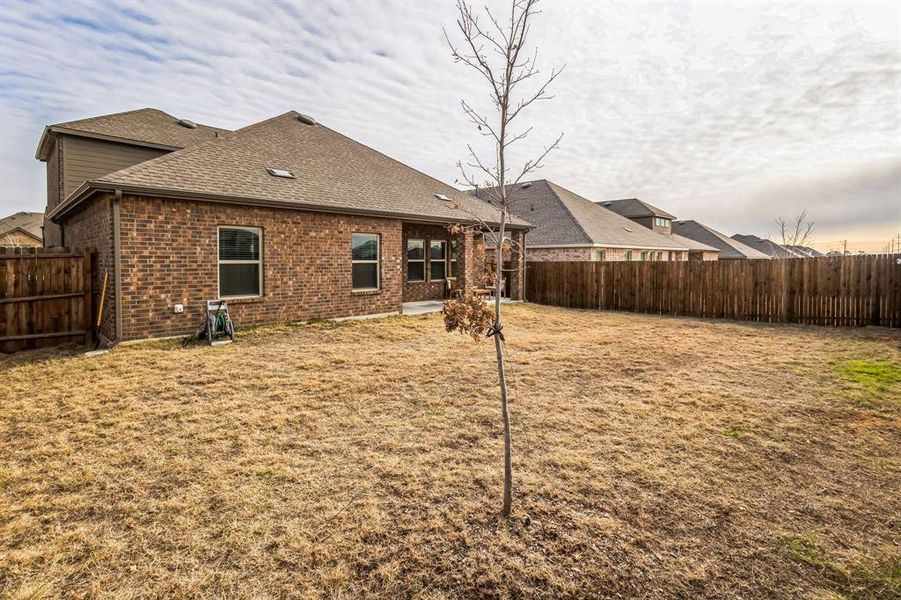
column 442, row 197
column 627, row 229
column 306, row 119
column 608, row 203
column 526, row 185
column 281, row 173
column 187, row 123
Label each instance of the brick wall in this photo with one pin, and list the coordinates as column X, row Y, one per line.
column 92, row 229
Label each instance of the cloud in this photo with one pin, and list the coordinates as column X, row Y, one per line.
column 720, row 112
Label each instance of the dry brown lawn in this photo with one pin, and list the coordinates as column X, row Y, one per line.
column 654, row 457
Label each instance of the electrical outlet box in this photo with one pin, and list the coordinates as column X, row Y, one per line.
column 179, row 308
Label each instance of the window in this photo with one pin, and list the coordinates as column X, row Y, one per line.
column 643, row 255
column 660, row 256
column 415, row 260
column 437, row 260
column 453, row 258
column 597, row 255
column 627, row 255
column 365, row 261
column 240, row 268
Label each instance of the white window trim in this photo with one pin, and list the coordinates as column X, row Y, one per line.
column 432, row 260
column 416, row 260
column 219, row 262
column 377, row 262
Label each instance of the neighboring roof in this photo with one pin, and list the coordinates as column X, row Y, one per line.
column 805, row 251
column 27, row 222
column 728, row 247
column 563, row 218
column 633, row 207
column 143, row 127
column 333, row 173
column 691, row 244
column 768, row 247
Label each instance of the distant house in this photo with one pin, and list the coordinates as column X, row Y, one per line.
column 661, row 222
column 22, row 230
column 768, row 247
column 729, row 248
column 805, row 251
column 568, row 227
column 286, row 219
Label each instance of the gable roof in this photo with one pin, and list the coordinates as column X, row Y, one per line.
column 633, row 207
column 768, row 247
column 28, row 222
column 728, row 247
column 804, row 251
column 142, row 127
column 332, row 173
column 563, row 218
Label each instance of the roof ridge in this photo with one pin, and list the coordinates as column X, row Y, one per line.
column 115, row 114
column 551, row 187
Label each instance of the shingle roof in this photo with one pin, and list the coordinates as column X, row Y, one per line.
column 146, row 126
column 692, row 244
column 805, row 251
column 563, row 218
column 333, row 173
column 633, row 207
column 728, row 247
column 768, row 247
column 30, row 222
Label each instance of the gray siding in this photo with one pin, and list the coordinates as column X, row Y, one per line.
column 85, row 159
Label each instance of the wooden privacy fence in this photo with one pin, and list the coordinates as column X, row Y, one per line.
column 849, row 290
column 45, row 297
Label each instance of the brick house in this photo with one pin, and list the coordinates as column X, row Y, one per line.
column 22, row 230
column 660, row 222
column 286, row 219
column 568, row 227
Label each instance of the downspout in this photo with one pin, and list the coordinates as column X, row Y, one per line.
column 117, row 264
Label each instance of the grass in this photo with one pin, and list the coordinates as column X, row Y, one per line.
column 653, row 456
column 878, row 382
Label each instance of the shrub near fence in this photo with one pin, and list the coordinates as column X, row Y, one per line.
column 45, row 298
column 839, row 291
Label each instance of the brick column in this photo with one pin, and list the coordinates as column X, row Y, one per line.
column 466, row 260
column 517, row 274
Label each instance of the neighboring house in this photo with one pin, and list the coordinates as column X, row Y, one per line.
column 22, row 230
column 286, row 219
column 568, row 227
column 729, row 249
column 661, row 222
column 768, row 247
column 805, row 251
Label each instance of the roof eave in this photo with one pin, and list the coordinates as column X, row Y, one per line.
column 86, row 190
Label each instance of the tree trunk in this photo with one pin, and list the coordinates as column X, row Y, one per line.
column 501, row 372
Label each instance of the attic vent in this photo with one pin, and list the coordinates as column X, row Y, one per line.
column 526, row 185
column 442, row 197
column 627, row 229
column 280, row 173
column 608, row 203
column 187, row 123
column 306, row 119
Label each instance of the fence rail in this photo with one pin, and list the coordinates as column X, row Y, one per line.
column 45, row 297
column 837, row 291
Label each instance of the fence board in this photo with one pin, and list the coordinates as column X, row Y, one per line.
column 834, row 291
column 45, row 298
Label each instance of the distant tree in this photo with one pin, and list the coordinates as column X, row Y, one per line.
column 495, row 49
column 797, row 232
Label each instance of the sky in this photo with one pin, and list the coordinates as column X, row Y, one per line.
column 731, row 114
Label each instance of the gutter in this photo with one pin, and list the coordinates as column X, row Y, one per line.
column 84, row 192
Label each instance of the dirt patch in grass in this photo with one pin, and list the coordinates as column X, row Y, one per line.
column 654, row 457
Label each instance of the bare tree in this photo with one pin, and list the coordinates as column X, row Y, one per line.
column 797, row 232
column 495, row 49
